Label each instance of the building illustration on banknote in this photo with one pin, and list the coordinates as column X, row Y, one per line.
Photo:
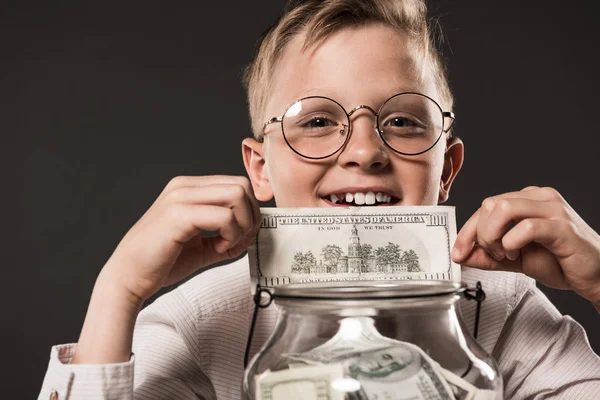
column 360, row 258
column 348, row 244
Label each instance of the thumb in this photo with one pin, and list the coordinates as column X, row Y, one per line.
column 237, row 250
column 480, row 259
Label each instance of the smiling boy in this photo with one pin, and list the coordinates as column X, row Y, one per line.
column 379, row 132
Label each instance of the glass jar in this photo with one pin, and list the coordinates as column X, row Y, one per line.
column 371, row 340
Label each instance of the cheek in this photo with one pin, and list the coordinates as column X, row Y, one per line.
column 294, row 180
column 421, row 179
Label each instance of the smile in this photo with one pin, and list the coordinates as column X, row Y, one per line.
column 360, row 199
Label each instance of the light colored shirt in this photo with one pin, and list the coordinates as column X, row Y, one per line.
column 190, row 343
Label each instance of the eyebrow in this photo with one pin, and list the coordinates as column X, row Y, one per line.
column 331, row 95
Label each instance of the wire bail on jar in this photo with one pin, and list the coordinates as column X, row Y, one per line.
column 257, row 304
column 476, row 294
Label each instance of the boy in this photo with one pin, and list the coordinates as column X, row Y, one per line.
column 368, row 63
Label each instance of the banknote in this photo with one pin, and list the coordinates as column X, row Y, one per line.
column 464, row 390
column 355, row 334
column 385, row 368
column 397, row 372
column 356, row 243
column 316, row 382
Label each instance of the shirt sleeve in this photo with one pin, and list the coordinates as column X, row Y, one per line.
column 85, row 381
column 164, row 365
column 545, row 355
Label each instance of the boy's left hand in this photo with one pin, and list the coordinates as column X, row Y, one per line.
column 536, row 232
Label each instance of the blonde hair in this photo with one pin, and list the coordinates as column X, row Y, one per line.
column 318, row 19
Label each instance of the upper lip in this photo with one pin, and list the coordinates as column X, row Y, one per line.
column 357, row 189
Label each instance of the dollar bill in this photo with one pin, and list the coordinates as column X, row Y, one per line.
column 464, row 390
column 485, row 394
column 384, row 367
column 357, row 243
column 356, row 334
column 316, row 382
column 397, row 372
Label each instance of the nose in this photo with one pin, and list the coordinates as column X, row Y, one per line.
column 364, row 149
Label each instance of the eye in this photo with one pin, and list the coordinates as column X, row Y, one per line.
column 400, row 122
column 318, row 122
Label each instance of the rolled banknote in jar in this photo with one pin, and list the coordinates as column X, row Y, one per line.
column 371, row 340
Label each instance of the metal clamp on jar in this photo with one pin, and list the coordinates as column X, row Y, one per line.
column 371, row 340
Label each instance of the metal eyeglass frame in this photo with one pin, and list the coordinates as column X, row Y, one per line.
column 445, row 114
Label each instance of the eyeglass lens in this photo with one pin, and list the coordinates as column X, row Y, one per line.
column 317, row 127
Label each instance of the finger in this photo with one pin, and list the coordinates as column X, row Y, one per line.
column 225, row 195
column 465, row 239
column 506, row 212
column 540, row 264
column 468, row 233
column 512, row 254
column 529, row 192
column 479, row 258
column 255, row 206
column 189, row 220
column 549, row 233
column 250, row 196
column 199, row 181
column 200, row 253
column 540, row 239
column 489, row 205
column 536, row 262
column 203, row 181
column 528, row 188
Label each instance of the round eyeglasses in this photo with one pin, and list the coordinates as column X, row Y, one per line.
column 317, row 127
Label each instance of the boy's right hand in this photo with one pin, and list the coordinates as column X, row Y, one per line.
column 166, row 245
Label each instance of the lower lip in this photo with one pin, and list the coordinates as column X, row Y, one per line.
column 331, row 204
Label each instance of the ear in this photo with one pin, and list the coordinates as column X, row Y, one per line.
column 254, row 161
column 453, row 160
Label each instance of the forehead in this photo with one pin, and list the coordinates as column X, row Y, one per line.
column 358, row 65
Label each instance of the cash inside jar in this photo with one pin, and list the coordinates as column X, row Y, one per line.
column 371, row 340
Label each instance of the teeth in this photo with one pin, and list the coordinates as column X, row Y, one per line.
column 359, row 198
column 370, row 198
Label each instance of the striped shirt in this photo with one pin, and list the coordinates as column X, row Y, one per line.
column 190, row 343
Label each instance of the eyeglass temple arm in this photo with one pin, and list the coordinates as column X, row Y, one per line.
column 272, row 121
column 451, row 116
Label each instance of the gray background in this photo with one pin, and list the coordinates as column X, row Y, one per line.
column 101, row 104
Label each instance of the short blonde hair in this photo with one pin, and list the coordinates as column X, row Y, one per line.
column 319, row 19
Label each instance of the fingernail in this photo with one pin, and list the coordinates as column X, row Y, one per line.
column 512, row 255
column 455, row 253
column 498, row 255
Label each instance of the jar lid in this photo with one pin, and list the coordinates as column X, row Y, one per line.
column 349, row 290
